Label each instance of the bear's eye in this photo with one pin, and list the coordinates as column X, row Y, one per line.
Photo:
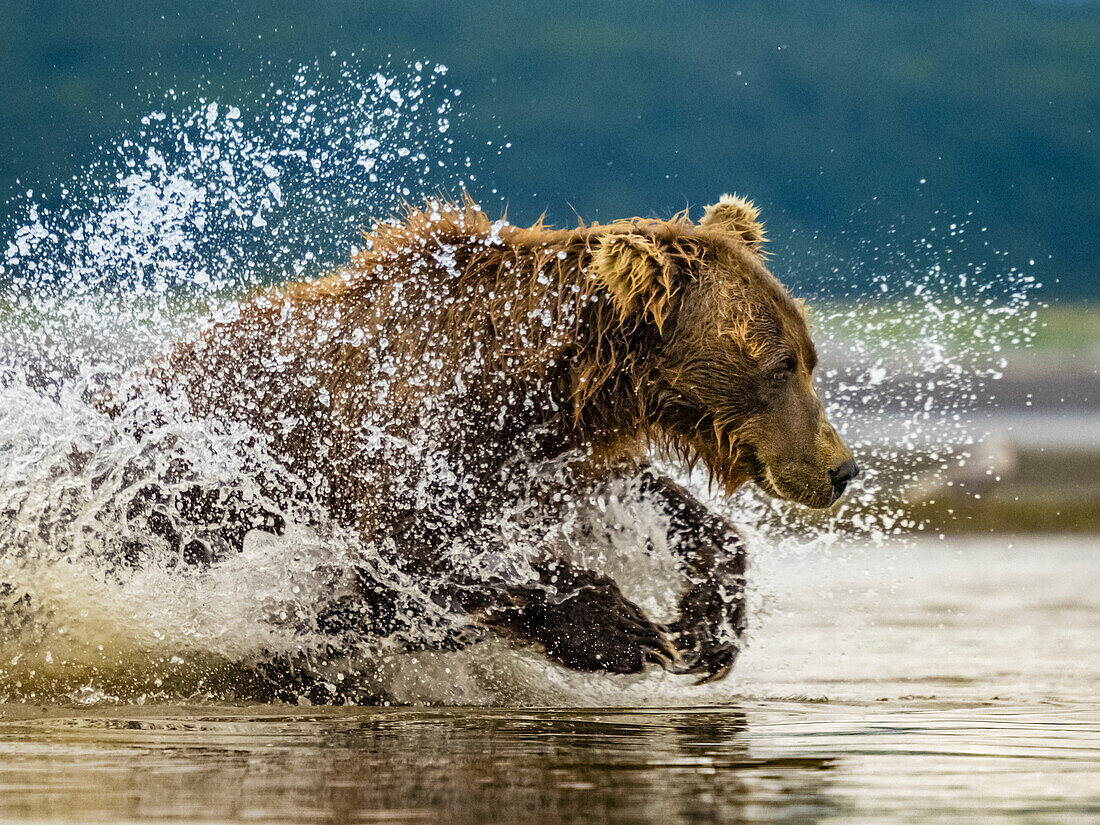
column 782, row 372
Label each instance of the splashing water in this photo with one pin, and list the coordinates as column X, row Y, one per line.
column 207, row 200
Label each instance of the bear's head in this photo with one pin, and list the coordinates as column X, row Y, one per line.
column 728, row 371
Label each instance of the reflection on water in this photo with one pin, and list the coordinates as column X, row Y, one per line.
column 781, row 762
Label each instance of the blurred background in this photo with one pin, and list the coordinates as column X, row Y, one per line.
column 866, row 132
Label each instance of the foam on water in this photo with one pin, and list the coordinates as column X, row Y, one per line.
column 207, row 198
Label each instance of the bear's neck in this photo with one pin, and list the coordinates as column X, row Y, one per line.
column 599, row 383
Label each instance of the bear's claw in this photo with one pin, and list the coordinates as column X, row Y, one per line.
column 714, row 668
column 666, row 654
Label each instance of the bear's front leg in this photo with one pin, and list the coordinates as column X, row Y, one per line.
column 580, row 618
column 712, row 555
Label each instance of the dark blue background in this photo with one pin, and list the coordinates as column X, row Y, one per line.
column 829, row 115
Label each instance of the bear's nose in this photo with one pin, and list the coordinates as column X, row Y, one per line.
column 840, row 476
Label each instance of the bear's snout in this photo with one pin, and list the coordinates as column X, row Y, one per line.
column 840, row 476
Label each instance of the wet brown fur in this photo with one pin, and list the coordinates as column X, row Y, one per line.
column 418, row 389
column 491, row 339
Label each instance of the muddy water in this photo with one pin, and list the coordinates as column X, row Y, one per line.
column 953, row 681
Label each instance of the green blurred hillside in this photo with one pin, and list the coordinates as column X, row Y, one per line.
column 847, row 120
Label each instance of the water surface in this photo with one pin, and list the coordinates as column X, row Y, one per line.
column 954, row 681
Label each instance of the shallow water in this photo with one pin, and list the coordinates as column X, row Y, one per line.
column 953, row 681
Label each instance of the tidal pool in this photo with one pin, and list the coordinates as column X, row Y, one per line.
column 952, row 681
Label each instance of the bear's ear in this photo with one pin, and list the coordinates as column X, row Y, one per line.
column 738, row 216
column 638, row 274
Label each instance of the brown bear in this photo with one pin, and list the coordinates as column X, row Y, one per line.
column 418, row 387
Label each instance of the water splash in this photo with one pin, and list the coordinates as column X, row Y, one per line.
column 209, row 199
column 913, row 336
